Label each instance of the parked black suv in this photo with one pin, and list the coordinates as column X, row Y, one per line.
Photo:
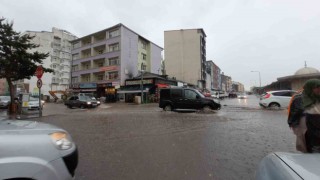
column 185, row 98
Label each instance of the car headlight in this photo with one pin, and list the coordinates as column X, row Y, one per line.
column 61, row 140
column 88, row 103
column 98, row 102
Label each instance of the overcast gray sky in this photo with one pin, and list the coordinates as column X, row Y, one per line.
column 274, row 37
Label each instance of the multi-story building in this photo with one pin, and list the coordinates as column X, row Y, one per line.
column 57, row 44
column 226, row 83
column 215, row 79
column 102, row 61
column 237, row 87
column 185, row 55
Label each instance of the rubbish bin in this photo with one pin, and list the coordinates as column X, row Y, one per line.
column 137, row 99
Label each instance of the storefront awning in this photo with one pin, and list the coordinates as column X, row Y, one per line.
column 134, row 89
column 128, row 92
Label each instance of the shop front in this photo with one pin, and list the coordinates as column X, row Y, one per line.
column 148, row 86
column 85, row 88
column 108, row 91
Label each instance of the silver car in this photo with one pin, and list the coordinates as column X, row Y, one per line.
column 4, row 101
column 289, row 166
column 33, row 150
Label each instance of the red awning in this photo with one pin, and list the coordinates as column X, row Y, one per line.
column 162, row 85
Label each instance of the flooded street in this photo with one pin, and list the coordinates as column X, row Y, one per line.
column 125, row 141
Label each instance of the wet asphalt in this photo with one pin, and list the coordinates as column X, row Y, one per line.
column 128, row 141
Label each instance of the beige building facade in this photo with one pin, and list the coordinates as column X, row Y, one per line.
column 185, row 55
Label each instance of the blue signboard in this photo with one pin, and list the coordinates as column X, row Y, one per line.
column 88, row 85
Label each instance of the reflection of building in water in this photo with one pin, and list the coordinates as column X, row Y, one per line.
column 296, row 81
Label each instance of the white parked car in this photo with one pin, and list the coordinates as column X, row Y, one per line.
column 276, row 99
column 35, row 150
column 34, row 103
column 289, row 166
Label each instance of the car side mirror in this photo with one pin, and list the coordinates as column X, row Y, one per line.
column 198, row 97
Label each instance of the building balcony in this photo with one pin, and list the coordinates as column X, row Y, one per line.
column 99, row 56
column 65, row 76
column 106, row 42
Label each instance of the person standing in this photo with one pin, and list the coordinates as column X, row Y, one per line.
column 304, row 117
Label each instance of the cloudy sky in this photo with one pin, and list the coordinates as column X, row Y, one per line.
column 274, row 37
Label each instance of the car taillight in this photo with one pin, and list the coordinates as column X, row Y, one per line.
column 266, row 96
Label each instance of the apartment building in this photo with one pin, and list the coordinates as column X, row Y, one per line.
column 102, row 61
column 226, row 83
column 57, row 44
column 185, row 55
column 215, row 78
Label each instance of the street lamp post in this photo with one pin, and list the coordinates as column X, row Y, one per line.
column 259, row 80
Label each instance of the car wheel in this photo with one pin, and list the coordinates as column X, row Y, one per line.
column 274, row 106
column 69, row 106
column 206, row 108
column 82, row 106
column 168, row 107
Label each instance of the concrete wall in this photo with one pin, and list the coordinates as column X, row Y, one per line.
column 182, row 55
column 129, row 54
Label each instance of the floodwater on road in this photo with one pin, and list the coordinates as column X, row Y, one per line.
column 125, row 141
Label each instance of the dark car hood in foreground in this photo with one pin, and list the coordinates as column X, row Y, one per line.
column 30, row 126
column 289, row 166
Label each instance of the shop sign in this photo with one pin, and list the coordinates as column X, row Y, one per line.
column 105, row 85
column 109, row 68
column 88, row 85
column 137, row 82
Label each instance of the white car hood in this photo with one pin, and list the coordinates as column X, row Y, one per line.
column 305, row 165
column 27, row 127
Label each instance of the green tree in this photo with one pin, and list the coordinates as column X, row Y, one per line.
column 17, row 61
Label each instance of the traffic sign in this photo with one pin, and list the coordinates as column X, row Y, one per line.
column 39, row 83
column 39, row 72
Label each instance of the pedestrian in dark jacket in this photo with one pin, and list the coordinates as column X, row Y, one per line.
column 304, row 117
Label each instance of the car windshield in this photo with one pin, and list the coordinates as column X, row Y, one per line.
column 85, row 98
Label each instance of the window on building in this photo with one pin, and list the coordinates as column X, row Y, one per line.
column 144, row 56
column 113, row 75
column 114, row 47
column 75, row 68
column 54, row 66
column 113, row 61
column 143, row 45
column 100, row 77
column 114, row 33
column 75, row 56
column 100, row 64
column 100, row 51
column 86, row 66
column 74, row 80
column 86, row 78
column 143, row 67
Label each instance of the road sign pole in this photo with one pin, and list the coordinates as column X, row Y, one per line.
column 40, row 105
